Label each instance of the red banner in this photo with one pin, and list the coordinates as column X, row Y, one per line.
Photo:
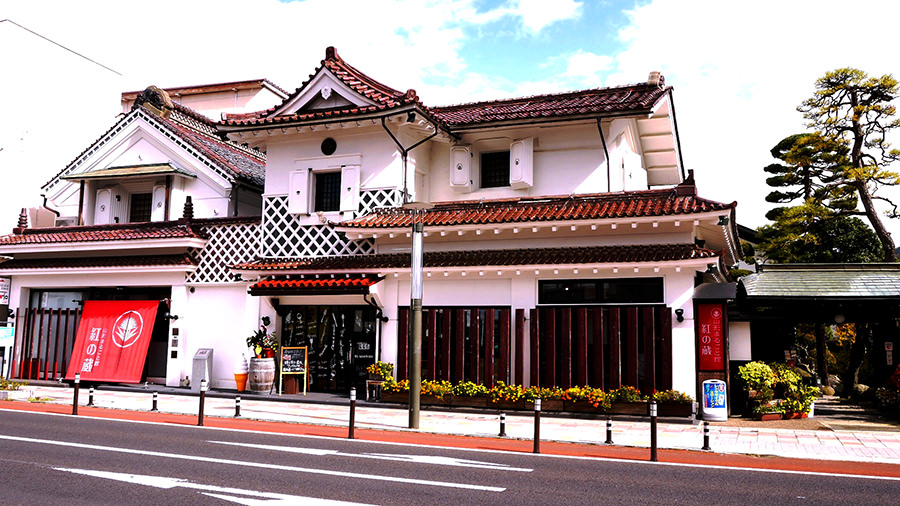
column 711, row 336
column 112, row 340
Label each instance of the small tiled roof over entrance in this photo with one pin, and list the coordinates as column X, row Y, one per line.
column 490, row 258
column 823, row 281
column 637, row 204
column 312, row 286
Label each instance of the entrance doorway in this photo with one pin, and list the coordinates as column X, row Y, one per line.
column 340, row 343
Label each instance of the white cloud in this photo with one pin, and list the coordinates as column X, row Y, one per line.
column 584, row 66
column 537, row 14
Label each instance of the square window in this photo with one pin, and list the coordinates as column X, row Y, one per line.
column 328, row 191
column 495, row 169
column 141, row 207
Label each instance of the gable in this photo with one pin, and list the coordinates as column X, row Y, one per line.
column 323, row 92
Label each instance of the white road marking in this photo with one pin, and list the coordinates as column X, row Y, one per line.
column 267, row 498
column 417, row 459
column 242, row 463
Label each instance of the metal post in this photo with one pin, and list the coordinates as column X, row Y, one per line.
column 155, row 407
column 653, row 456
column 90, row 396
column 502, row 425
column 609, row 440
column 237, row 406
column 706, row 436
column 537, row 425
column 415, row 337
column 203, row 386
column 352, row 412
column 75, row 397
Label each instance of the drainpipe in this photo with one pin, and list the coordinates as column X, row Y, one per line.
column 45, row 206
column 404, row 152
column 606, row 154
column 81, row 203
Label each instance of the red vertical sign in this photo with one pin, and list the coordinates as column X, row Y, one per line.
column 112, row 340
column 711, row 334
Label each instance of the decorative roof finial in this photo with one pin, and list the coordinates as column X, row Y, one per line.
column 331, row 53
column 188, row 209
column 23, row 222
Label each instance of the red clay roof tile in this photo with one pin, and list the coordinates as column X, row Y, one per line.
column 646, row 203
column 97, row 233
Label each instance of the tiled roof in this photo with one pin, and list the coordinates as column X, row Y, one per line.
column 97, row 233
column 491, row 258
column 354, row 283
column 823, row 281
column 645, row 203
column 631, row 98
column 384, row 97
column 244, row 164
column 99, row 262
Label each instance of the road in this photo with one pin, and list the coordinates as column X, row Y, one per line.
column 59, row 459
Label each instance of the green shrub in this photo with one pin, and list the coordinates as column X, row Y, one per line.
column 756, row 376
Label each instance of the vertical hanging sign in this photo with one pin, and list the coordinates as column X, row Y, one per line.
column 711, row 336
column 112, row 340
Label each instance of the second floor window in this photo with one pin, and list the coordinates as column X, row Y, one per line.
column 328, row 191
column 495, row 169
column 141, row 207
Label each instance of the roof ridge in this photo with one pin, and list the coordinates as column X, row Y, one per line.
column 551, row 95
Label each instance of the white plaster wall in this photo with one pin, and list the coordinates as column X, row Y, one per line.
column 739, row 341
column 684, row 357
column 220, row 317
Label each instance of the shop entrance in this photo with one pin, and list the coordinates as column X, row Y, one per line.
column 340, row 341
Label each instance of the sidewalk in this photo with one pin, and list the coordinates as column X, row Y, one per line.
column 879, row 445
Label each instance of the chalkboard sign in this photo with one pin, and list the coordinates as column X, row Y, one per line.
column 293, row 361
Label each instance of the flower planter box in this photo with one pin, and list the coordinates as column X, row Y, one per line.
column 465, row 401
column 547, row 405
column 674, row 409
column 766, row 417
column 580, row 407
column 794, row 416
column 509, row 405
column 430, row 400
column 638, row 408
column 398, row 397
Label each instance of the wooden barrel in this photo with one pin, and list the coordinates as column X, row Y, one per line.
column 262, row 375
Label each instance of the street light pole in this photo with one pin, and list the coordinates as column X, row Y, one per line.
column 415, row 306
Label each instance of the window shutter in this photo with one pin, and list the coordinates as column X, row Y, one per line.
column 461, row 169
column 158, row 204
column 102, row 210
column 521, row 163
column 350, row 188
column 298, row 192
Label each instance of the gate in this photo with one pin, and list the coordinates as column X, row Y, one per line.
column 44, row 343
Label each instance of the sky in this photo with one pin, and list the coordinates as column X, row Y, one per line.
column 739, row 69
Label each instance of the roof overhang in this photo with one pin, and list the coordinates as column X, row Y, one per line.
column 101, row 246
column 316, row 285
column 130, row 171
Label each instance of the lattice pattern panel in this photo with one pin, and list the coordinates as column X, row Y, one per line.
column 286, row 237
column 374, row 199
column 228, row 245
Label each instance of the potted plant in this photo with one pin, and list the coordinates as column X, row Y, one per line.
column 395, row 391
column 586, row 399
column 627, row 400
column 673, row 403
column 262, row 367
column 505, row 396
column 435, row 392
column 552, row 398
column 469, row 394
column 380, row 371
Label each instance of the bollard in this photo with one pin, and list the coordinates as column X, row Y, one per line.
column 537, row 425
column 90, row 396
column 203, row 386
column 653, row 455
column 502, row 425
column 352, row 411
column 155, row 402
column 706, row 436
column 237, row 406
column 75, row 397
column 609, row 440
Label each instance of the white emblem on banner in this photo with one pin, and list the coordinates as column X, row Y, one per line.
column 127, row 329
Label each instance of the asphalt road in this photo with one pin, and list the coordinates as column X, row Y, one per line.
column 50, row 459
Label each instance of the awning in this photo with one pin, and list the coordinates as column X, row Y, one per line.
column 356, row 284
column 112, row 340
column 125, row 171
